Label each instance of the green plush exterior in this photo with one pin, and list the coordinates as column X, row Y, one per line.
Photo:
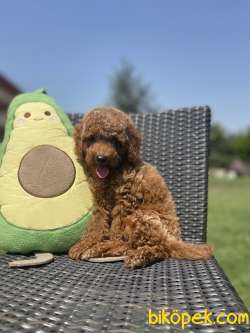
column 17, row 240
column 14, row 239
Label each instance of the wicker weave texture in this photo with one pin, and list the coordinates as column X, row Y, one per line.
column 71, row 296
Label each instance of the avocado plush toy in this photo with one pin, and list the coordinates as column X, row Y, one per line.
column 45, row 201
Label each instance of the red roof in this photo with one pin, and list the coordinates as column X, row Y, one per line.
column 10, row 87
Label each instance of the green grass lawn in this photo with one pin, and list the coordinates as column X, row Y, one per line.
column 229, row 230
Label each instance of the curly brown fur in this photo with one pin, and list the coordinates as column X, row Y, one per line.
column 134, row 212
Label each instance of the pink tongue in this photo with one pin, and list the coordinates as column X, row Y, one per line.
column 102, row 171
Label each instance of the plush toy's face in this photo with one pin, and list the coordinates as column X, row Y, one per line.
column 35, row 114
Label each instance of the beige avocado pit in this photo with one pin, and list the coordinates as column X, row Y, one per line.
column 45, row 201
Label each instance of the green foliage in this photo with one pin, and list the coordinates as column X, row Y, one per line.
column 128, row 92
column 224, row 147
column 241, row 145
column 229, row 230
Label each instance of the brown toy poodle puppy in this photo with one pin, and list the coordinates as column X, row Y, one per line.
column 134, row 212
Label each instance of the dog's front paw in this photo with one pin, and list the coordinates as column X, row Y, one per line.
column 90, row 253
column 83, row 251
column 78, row 250
column 133, row 261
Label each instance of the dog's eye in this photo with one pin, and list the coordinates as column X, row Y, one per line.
column 90, row 140
column 115, row 142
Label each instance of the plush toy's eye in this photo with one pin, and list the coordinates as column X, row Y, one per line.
column 27, row 114
column 47, row 113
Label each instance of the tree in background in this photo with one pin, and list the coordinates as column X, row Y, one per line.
column 221, row 153
column 128, row 92
column 224, row 147
column 241, row 145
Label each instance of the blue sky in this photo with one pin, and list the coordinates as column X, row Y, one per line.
column 191, row 52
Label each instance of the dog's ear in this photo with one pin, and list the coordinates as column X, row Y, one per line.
column 134, row 143
column 78, row 141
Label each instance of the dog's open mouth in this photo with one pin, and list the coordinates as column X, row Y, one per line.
column 102, row 171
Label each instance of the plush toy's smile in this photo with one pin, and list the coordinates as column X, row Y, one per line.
column 38, row 119
column 102, row 171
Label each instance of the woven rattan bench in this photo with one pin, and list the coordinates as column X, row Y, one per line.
column 71, row 296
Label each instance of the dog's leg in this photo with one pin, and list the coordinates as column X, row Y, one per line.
column 143, row 231
column 98, row 229
column 82, row 246
column 145, row 255
column 108, row 248
column 151, row 240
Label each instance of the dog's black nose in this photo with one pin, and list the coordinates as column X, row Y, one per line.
column 100, row 159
